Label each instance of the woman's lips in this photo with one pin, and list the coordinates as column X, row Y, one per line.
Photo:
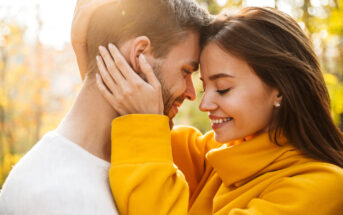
column 218, row 122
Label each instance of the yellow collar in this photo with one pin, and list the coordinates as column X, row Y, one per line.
column 237, row 163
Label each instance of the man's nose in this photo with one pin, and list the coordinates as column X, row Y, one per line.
column 190, row 91
column 207, row 104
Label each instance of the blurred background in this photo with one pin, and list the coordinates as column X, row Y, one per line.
column 39, row 76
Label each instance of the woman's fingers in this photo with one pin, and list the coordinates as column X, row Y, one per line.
column 105, row 75
column 112, row 69
column 122, row 64
column 130, row 94
column 149, row 72
column 108, row 96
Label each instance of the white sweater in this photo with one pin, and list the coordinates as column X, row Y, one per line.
column 58, row 177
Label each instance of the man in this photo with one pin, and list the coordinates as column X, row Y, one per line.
column 67, row 171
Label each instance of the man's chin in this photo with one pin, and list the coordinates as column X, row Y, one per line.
column 171, row 116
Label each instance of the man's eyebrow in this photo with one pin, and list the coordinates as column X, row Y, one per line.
column 220, row 75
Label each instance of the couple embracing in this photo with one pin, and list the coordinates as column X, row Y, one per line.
column 273, row 150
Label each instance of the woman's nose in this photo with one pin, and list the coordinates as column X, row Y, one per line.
column 207, row 103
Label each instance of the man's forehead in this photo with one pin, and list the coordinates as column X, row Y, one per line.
column 187, row 51
column 188, row 46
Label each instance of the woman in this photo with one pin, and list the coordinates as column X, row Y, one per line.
column 268, row 104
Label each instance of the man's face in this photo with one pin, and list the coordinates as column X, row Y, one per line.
column 175, row 71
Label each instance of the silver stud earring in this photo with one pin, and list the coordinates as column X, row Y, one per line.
column 277, row 104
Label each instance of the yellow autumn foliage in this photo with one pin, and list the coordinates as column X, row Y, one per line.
column 6, row 165
column 336, row 94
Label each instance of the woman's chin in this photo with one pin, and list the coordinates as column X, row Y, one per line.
column 227, row 137
column 221, row 138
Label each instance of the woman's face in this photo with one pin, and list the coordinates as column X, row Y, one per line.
column 239, row 103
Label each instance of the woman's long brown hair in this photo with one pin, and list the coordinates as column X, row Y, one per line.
column 279, row 52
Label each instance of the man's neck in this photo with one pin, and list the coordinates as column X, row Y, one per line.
column 88, row 123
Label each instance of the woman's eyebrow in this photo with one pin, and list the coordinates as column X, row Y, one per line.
column 220, row 75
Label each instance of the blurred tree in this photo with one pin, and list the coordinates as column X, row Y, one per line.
column 11, row 40
column 336, row 93
column 29, row 106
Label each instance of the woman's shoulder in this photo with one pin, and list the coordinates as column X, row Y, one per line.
column 316, row 177
column 325, row 171
column 306, row 188
column 319, row 168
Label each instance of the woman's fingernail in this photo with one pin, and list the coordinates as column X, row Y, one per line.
column 111, row 46
column 101, row 48
column 143, row 57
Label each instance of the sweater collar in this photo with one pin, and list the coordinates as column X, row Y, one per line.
column 237, row 163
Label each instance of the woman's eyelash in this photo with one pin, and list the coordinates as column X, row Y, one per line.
column 222, row 92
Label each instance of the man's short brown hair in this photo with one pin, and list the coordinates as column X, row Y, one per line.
column 164, row 22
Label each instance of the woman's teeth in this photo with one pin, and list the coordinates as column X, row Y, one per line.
column 218, row 121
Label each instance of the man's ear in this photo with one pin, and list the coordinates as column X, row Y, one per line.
column 140, row 45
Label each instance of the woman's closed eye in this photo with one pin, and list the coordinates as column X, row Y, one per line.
column 222, row 92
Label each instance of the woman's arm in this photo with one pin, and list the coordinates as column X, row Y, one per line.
column 143, row 174
column 143, row 177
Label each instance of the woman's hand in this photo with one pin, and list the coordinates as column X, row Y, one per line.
column 126, row 91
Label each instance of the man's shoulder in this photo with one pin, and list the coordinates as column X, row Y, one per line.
column 35, row 159
column 41, row 157
column 56, row 172
column 55, row 159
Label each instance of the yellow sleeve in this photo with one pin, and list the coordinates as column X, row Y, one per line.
column 318, row 190
column 143, row 177
column 189, row 148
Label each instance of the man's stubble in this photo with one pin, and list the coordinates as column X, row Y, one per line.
column 168, row 97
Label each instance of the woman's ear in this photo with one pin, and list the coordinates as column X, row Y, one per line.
column 140, row 45
column 277, row 99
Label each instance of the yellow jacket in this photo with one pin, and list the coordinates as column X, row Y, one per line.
column 157, row 172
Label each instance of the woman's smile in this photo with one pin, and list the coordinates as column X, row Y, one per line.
column 218, row 122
